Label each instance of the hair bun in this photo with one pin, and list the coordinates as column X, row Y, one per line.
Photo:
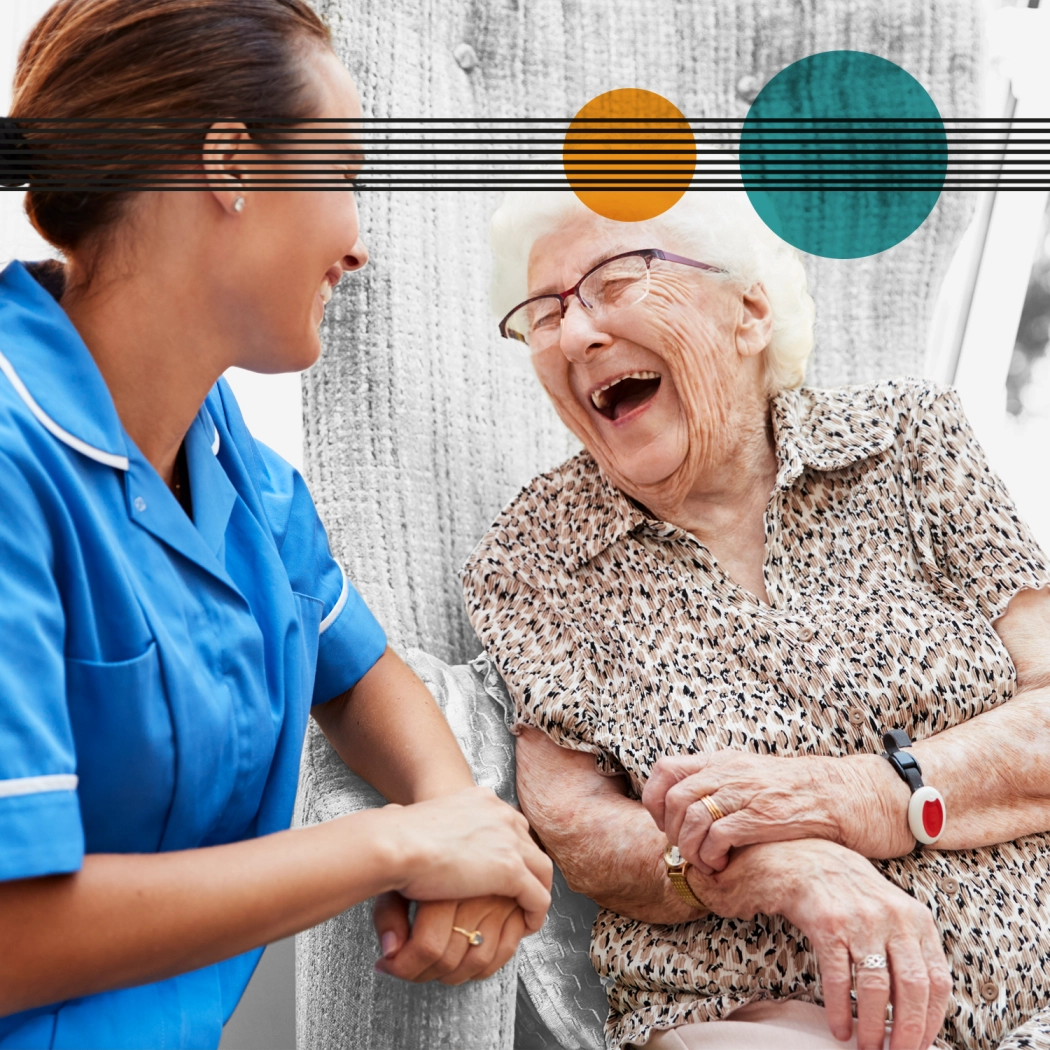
column 14, row 155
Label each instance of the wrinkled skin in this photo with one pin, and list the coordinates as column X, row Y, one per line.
column 700, row 454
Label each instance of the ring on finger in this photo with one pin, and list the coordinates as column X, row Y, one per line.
column 873, row 962
column 712, row 807
column 474, row 937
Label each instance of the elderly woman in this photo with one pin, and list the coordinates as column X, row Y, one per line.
column 710, row 619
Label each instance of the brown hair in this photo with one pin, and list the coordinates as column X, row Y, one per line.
column 190, row 61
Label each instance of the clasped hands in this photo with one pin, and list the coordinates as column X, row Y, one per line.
column 804, row 826
column 857, row 802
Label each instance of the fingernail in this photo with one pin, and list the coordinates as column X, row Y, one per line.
column 380, row 967
column 389, row 943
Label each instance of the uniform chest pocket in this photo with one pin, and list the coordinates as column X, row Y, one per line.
column 125, row 750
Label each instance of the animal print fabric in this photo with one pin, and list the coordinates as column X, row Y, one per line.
column 891, row 548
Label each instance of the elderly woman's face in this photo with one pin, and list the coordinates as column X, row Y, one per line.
column 648, row 387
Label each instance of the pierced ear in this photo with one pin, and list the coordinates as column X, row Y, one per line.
column 755, row 328
column 226, row 162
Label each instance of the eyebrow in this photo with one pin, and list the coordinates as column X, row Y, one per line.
column 604, row 257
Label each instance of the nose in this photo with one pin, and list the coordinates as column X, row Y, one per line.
column 582, row 337
column 358, row 257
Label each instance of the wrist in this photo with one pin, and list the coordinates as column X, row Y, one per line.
column 389, row 855
column 449, row 782
column 875, row 818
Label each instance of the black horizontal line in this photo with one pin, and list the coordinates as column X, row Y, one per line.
column 598, row 185
column 292, row 122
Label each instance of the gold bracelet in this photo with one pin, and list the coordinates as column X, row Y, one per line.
column 676, row 869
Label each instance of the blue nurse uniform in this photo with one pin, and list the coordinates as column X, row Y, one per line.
column 156, row 673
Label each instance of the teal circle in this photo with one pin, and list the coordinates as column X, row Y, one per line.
column 843, row 154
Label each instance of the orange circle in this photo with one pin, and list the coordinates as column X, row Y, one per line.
column 629, row 154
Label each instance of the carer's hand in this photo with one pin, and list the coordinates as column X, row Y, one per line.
column 466, row 845
column 433, row 950
column 852, row 801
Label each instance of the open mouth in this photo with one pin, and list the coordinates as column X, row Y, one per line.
column 622, row 396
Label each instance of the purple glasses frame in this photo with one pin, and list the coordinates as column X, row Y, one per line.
column 563, row 297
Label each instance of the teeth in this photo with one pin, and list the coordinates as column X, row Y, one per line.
column 326, row 291
column 600, row 400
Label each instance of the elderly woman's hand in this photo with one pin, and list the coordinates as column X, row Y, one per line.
column 857, row 802
column 850, row 913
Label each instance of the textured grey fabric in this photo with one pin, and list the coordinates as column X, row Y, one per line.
column 341, row 1001
column 564, row 1000
column 418, row 424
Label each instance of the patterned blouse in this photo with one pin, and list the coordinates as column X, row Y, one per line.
column 891, row 548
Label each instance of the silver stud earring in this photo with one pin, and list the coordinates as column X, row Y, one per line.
column 238, row 205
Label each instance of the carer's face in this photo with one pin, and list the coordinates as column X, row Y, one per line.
column 295, row 247
column 626, row 384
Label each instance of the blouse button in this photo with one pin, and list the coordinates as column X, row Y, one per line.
column 857, row 716
column 949, row 886
column 805, row 634
column 989, row 991
column 140, row 504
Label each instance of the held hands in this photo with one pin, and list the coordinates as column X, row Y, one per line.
column 852, row 801
column 434, row 949
column 469, row 845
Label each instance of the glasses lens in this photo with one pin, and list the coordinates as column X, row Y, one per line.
column 536, row 323
column 618, row 283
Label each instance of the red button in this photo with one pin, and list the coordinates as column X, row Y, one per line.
column 932, row 817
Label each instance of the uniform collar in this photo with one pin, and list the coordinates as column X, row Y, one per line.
column 814, row 429
column 53, row 372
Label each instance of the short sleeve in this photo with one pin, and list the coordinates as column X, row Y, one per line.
column 40, row 827
column 965, row 513
column 351, row 639
column 552, row 673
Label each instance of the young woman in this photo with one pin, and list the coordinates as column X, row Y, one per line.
column 169, row 607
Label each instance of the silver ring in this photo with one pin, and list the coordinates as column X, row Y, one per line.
column 873, row 962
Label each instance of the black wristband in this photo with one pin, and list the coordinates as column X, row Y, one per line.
column 905, row 763
column 926, row 813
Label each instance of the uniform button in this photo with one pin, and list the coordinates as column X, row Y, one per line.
column 466, row 56
column 140, row 504
column 857, row 716
column 989, row 991
column 805, row 634
column 949, row 886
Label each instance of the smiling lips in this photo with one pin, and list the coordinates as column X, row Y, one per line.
column 623, row 395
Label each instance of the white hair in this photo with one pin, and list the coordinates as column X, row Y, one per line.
column 721, row 228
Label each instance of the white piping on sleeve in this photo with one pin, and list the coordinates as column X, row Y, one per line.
column 38, row 785
column 338, row 607
column 106, row 458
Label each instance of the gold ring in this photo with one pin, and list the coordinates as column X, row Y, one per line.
column 473, row 936
column 712, row 807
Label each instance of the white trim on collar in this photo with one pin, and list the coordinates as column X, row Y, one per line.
column 38, row 785
column 106, row 458
column 338, row 607
column 215, row 442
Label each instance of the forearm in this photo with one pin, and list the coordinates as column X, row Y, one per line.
column 131, row 919
column 390, row 732
column 609, row 849
column 994, row 772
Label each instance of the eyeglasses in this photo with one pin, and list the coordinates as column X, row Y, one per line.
column 612, row 285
